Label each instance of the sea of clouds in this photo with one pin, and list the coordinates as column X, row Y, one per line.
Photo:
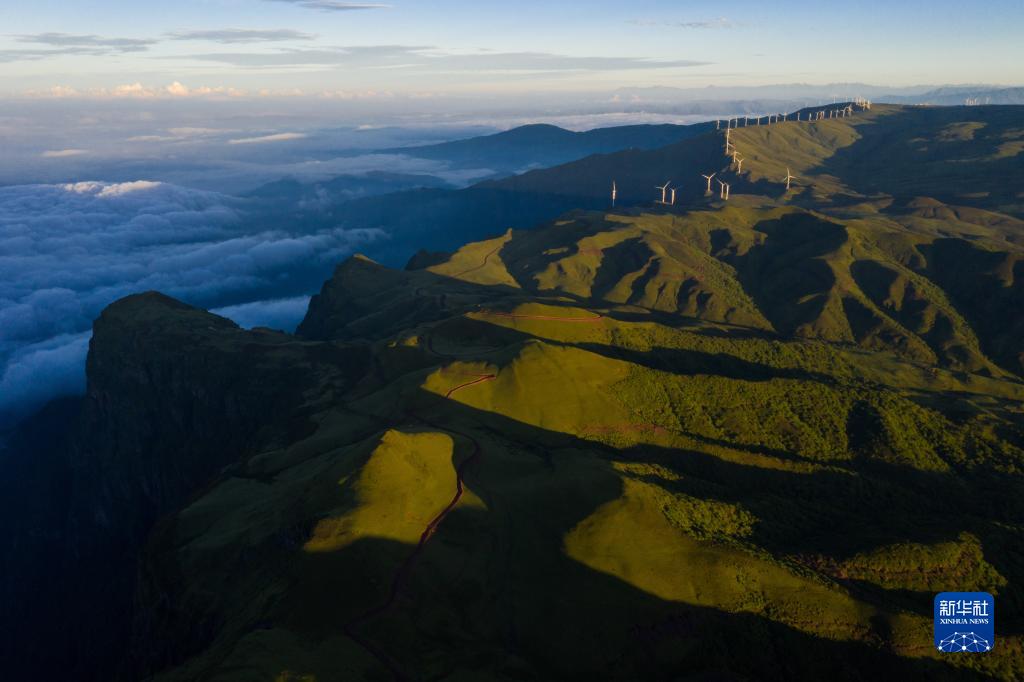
column 69, row 250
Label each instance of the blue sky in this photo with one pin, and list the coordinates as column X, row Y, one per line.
column 451, row 46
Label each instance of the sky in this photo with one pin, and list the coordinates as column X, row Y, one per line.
column 108, row 48
column 136, row 137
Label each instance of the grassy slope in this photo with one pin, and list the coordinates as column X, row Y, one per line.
column 750, row 441
column 635, row 476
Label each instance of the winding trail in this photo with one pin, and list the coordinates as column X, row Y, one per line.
column 515, row 316
column 495, row 250
column 401, row 576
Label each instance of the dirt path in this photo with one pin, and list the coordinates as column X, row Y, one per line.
column 398, row 582
column 482, row 263
column 597, row 317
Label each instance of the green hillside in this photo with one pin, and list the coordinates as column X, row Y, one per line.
column 955, row 154
column 886, row 160
column 693, row 443
column 743, row 439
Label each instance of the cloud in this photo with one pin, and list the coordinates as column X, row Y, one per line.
column 71, row 40
column 62, row 153
column 333, row 5
column 431, row 59
column 177, row 89
column 719, row 23
column 283, row 313
column 67, row 251
column 230, row 36
column 139, row 91
column 39, row 372
column 63, row 44
column 277, row 137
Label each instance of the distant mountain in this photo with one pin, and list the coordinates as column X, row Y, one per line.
column 533, row 146
column 960, row 156
column 964, row 95
column 313, row 195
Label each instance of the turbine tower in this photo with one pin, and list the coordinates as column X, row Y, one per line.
column 709, row 178
column 672, row 201
column 615, row 193
column 723, row 190
column 789, row 178
column 664, row 191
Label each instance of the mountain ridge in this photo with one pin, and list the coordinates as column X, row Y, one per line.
column 721, row 438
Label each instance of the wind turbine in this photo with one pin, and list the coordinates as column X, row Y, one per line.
column 739, row 164
column 615, row 193
column 672, row 201
column 664, row 190
column 789, row 178
column 709, row 178
column 723, row 190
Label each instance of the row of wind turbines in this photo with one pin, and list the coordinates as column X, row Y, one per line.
column 820, row 115
column 668, row 193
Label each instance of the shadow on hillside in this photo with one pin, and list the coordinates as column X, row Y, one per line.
column 912, row 155
column 495, row 591
column 785, row 275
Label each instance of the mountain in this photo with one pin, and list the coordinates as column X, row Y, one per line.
column 317, row 195
column 540, row 145
column 959, row 95
column 743, row 439
column 889, row 154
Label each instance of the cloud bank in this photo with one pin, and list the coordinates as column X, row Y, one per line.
column 230, row 36
column 333, row 5
column 276, row 137
column 67, row 251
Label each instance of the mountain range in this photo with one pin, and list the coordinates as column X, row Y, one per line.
column 725, row 438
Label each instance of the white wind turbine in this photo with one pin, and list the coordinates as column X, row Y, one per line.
column 615, row 193
column 789, row 178
column 672, row 201
column 709, row 178
column 723, row 190
column 664, row 190
column 739, row 163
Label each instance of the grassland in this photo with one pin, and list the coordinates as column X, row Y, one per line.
column 745, row 441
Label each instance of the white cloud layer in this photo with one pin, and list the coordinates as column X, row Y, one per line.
column 67, row 251
column 277, row 137
column 282, row 313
